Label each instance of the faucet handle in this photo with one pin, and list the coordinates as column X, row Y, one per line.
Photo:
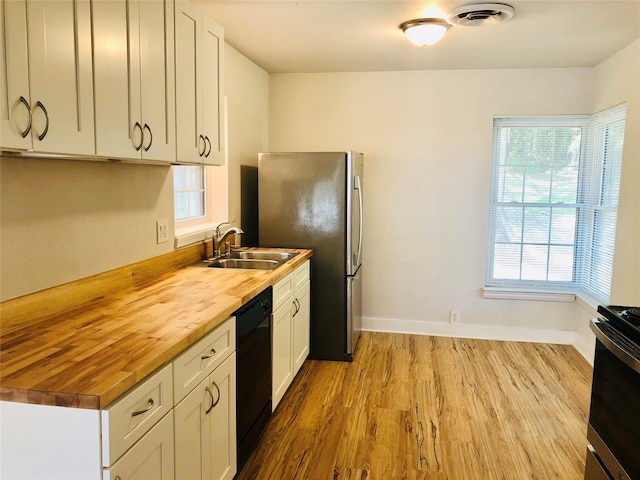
column 218, row 235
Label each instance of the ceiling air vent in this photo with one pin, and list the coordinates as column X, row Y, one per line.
column 478, row 14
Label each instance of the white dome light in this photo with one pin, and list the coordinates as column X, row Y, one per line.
column 425, row 31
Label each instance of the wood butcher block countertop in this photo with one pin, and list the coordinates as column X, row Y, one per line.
column 89, row 355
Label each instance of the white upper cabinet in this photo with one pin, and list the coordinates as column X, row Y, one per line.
column 46, row 80
column 134, row 79
column 199, row 86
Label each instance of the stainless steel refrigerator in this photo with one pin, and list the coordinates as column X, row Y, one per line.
column 314, row 200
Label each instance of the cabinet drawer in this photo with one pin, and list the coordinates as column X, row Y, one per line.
column 151, row 457
column 130, row 417
column 198, row 361
column 301, row 275
column 282, row 291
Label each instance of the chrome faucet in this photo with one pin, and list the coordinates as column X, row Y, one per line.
column 220, row 239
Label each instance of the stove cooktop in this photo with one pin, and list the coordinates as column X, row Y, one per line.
column 625, row 318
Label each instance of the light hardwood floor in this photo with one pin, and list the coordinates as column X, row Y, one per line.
column 418, row 407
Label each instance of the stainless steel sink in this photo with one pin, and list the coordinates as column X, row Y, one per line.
column 248, row 263
column 249, row 259
column 279, row 257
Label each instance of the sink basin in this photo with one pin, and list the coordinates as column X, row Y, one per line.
column 249, row 259
column 279, row 257
column 248, row 263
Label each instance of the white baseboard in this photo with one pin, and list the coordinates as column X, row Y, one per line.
column 586, row 349
column 484, row 332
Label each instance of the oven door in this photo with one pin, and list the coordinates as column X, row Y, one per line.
column 614, row 418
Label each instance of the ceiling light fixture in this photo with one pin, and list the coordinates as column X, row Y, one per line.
column 425, row 31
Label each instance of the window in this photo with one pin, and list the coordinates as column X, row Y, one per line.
column 188, row 192
column 201, row 201
column 554, row 197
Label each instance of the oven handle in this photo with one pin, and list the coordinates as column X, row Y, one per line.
column 618, row 350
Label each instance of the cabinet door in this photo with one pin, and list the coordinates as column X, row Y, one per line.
column 212, row 91
column 117, row 79
column 151, row 458
column 205, row 427
column 134, row 79
column 60, row 79
column 14, row 76
column 157, row 79
column 223, row 421
column 282, row 358
column 199, row 86
column 188, row 31
column 192, row 426
column 300, row 325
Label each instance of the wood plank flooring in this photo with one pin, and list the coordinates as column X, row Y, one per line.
column 432, row 408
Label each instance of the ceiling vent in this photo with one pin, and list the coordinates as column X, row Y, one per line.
column 478, row 14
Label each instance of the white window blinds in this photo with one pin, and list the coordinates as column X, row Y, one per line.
column 599, row 190
column 549, row 229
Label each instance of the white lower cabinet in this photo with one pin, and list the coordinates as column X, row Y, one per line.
column 150, row 458
column 282, row 374
column 300, row 326
column 205, row 427
column 291, row 326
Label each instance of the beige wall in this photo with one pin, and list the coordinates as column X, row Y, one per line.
column 64, row 220
column 427, row 140
column 247, row 91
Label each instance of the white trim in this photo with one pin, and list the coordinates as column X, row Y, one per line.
column 517, row 294
column 483, row 332
column 196, row 233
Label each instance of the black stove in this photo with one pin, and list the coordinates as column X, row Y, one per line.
column 626, row 319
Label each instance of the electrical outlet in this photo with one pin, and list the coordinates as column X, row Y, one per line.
column 162, row 230
column 454, row 317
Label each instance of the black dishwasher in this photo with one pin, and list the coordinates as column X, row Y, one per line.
column 253, row 369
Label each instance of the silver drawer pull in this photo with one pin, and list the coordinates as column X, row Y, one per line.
column 140, row 412
column 207, row 357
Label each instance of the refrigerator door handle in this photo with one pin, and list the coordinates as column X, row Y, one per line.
column 358, row 187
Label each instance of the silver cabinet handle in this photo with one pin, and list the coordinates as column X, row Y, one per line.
column 206, row 357
column 208, row 151
column 26, row 104
column 212, row 402
column 46, row 115
column 218, row 399
column 140, row 412
column 204, row 143
column 146, row 127
column 137, row 125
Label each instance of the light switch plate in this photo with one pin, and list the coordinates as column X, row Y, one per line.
column 162, row 230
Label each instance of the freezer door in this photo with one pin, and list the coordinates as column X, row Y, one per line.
column 354, row 310
column 354, row 209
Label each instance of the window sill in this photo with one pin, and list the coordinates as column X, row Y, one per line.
column 513, row 294
column 190, row 235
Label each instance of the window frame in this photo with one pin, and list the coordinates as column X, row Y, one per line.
column 591, row 177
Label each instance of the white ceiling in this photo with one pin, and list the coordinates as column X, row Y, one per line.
column 363, row 35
